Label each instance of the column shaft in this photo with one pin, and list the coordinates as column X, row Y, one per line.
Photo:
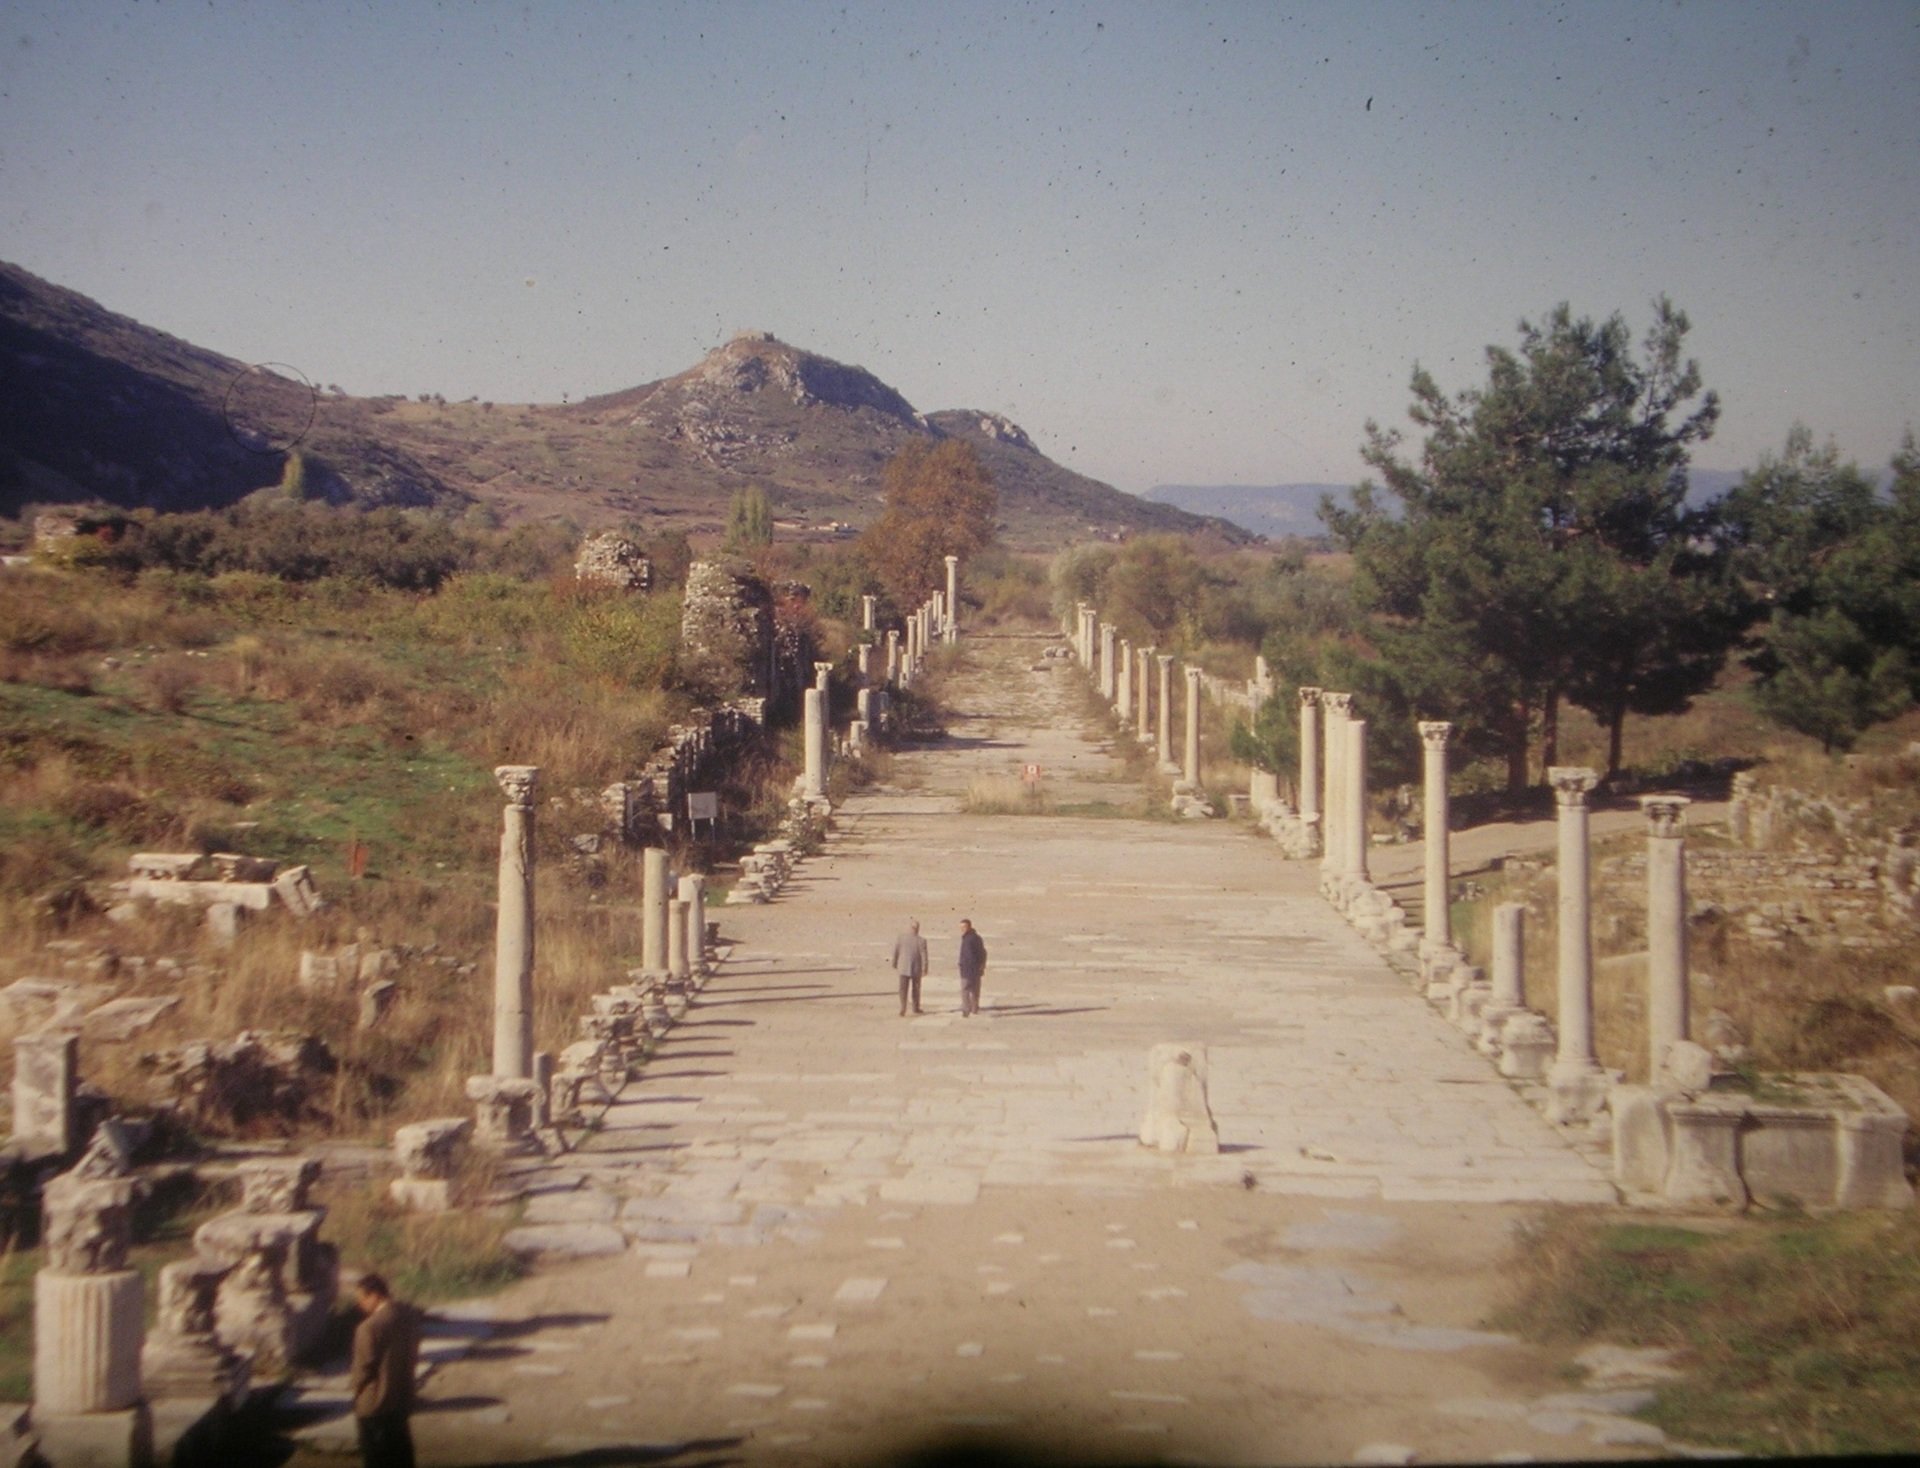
column 1354, row 851
column 1666, row 926
column 1438, row 920
column 1163, row 707
column 653, row 910
column 513, row 928
column 1190, row 748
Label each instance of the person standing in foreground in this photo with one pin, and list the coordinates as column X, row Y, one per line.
column 973, row 967
column 386, row 1352
column 910, row 963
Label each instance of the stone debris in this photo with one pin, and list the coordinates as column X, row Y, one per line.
column 257, row 1079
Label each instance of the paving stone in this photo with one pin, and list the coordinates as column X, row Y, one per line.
column 860, row 1291
column 969, row 1348
column 754, row 1389
column 1384, row 1455
column 565, row 1240
column 823, row 1330
column 807, row 1363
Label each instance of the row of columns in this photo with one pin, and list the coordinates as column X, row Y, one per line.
column 1577, row 1083
column 1138, row 682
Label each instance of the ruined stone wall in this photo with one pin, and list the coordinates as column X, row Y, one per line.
column 692, row 758
column 727, row 620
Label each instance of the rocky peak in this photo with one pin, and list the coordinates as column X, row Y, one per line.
column 758, row 360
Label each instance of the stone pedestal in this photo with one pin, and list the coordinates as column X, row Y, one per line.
column 429, row 1154
column 46, row 1068
column 1263, row 791
column 503, row 1112
column 1703, row 1164
column 1577, row 1084
column 1526, row 1046
column 1666, row 925
column 1190, row 746
column 1179, row 1118
column 814, row 783
column 653, row 911
column 513, row 934
column 184, row 1358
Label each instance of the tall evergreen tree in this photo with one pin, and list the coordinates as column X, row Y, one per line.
column 1543, row 550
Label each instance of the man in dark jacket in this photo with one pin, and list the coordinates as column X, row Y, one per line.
column 386, row 1353
column 973, row 967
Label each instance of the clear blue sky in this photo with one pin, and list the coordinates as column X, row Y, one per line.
column 1176, row 243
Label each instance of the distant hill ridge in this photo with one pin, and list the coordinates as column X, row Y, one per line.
column 102, row 407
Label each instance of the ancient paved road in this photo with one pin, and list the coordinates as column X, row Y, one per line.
column 844, row 1234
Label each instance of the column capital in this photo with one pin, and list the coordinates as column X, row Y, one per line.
column 1571, row 783
column 516, row 782
column 1164, row 659
column 1193, row 673
column 1339, row 703
column 1309, row 697
column 953, row 560
column 1666, row 814
column 1435, row 734
column 1145, row 651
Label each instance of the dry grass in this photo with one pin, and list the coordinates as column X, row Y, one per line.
column 1797, row 1336
column 428, row 1258
column 1005, row 795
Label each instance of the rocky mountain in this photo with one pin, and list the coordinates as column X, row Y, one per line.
column 101, row 407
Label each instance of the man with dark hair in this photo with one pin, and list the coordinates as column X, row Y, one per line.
column 973, row 967
column 910, row 963
column 386, row 1353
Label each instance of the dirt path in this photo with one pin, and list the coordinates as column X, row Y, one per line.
column 817, row 1232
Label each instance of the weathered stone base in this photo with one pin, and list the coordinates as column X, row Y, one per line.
column 122, row 1439
column 421, row 1194
column 1576, row 1093
column 1839, row 1147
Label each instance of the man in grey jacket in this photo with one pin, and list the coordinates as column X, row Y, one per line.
column 910, row 963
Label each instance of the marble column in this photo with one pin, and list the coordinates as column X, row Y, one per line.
column 1190, row 746
column 1109, row 682
column 1123, row 696
column 866, row 709
column 1509, row 956
column 1163, row 710
column 863, row 664
column 866, row 614
column 1335, row 708
column 653, row 911
column 1577, row 1085
column 679, row 964
column 89, row 1320
column 1143, row 705
column 1354, row 848
column 953, row 598
column 1436, row 942
column 815, row 783
column 513, row 926
column 822, row 676
column 893, row 657
column 912, row 655
column 695, row 886
column 1666, row 926
column 1090, row 642
column 1309, row 794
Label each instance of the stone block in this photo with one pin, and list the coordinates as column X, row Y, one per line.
column 1641, row 1150
column 1178, row 1117
column 122, row 1019
column 276, row 1185
column 504, row 1110
column 432, row 1149
column 224, row 920
column 421, row 1194
column 375, row 1000
column 46, row 1069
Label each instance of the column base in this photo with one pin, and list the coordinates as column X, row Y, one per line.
column 1577, row 1091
